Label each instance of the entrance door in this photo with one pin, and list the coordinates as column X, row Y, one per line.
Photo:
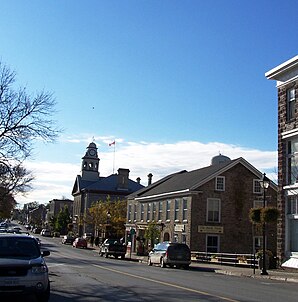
column 294, row 235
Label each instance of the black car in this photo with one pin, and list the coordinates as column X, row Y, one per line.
column 22, row 267
column 170, row 254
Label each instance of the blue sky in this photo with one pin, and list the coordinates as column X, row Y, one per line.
column 173, row 82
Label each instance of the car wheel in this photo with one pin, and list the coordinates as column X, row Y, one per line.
column 44, row 297
column 149, row 262
column 186, row 266
column 100, row 254
column 116, row 256
column 162, row 263
column 107, row 255
column 123, row 257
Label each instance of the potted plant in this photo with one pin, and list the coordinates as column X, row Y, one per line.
column 214, row 258
column 255, row 215
column 242, row 259
column 270, row 214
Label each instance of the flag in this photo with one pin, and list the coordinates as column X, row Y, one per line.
column 113, row 143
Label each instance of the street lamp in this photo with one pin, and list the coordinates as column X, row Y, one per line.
column 264, row 183
column 108, row 224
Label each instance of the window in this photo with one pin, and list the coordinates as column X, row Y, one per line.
column 135, row 213
column 220, row 183
column 184, row 214
column 213, row 210
column 177, row 209
column 258, row 243
column 148, row 211
column 129, row 213
column 154, row 211
column 142, row 211
column 293, row 205
column 257, row 189
column 259, row 203
column 292, row 161
column 168, row 210
column 160, row 210
column 212, row 244
column 290, row 104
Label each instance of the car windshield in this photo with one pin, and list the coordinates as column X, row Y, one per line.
column 18, row 247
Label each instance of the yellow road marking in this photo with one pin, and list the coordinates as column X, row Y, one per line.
column 167, row 284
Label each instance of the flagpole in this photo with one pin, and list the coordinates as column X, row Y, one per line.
column 114, row 157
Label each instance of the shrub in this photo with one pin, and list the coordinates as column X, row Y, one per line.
column 270, row 214
column 255, row 215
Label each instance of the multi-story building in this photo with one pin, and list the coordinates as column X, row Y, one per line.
column 206, row 208
column 56, row 205
column 286, row 76
column 91, row 187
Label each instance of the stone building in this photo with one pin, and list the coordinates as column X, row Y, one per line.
column 56, row 205
column 286, row 76
column 91, row 187
column 206, row 208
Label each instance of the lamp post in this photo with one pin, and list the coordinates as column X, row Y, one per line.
column 108, row 224
column 264, row 183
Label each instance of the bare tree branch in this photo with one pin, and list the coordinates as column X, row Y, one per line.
column 24, row 118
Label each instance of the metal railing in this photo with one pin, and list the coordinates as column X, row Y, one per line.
column 245, row 260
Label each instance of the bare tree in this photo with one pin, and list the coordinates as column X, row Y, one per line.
column 24, row 118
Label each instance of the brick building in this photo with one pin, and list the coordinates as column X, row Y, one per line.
column 286, row 76
column 206, row 208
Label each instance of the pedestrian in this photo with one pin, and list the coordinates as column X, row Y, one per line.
column 92, row 240
column 96, row 241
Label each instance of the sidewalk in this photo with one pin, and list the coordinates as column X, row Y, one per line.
column 281, row 274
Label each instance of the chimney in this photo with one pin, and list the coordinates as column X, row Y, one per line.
column 150, row 179
column 123, row 175
column 138, row 180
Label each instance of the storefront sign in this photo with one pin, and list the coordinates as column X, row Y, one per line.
column 179, row 227
column 210, row 229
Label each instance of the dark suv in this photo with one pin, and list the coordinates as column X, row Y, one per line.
column 167, row 253
column 22, row 267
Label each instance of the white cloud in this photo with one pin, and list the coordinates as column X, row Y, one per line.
column 54, row 180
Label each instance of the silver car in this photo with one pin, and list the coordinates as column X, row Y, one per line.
column 170, row 254
column 22, row 267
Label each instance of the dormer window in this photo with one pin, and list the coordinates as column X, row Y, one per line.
column 220, row 183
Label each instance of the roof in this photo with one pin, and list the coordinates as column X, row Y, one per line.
column 284, row 67
column 107, row 184
column 184, row 182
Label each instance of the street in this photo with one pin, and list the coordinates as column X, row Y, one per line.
column 81, row 275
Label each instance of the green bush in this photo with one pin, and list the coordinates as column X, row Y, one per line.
column 270, row 214
column 255, row 215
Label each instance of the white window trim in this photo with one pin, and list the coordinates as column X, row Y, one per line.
column 224, row 183
column 218, row 241
column 219, row 210
column 254, row 186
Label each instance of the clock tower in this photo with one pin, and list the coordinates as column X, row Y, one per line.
column 90, row 163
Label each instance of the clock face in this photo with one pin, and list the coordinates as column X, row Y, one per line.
column 92, row 152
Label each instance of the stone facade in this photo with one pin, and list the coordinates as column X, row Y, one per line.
column 287, row 89
column 187, row 221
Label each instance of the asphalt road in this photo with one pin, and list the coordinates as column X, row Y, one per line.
column 79, row 275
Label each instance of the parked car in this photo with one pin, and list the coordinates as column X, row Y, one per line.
column 80, row 242
column 167, row 253
column 68, row 239
column 23, row 268
column 36, row 230
column 45, row 233
column 87, row 236
column 112, row 247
